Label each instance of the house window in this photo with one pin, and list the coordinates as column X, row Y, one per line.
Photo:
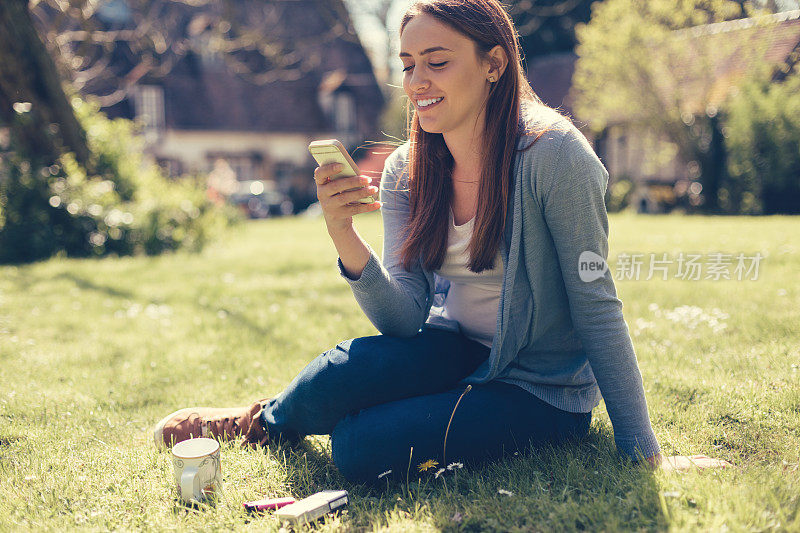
column 149, row 103
column 243, row 167
column 326, row 103
column 344, row 112
column 283, row 170
column 171, row 167
column 209, row 54
column 282, row 173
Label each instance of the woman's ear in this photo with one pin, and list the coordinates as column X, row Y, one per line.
column 497, row 61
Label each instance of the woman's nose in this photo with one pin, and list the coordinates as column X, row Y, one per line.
column 417, row 82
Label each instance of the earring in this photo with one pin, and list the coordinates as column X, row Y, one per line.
column 491, row 79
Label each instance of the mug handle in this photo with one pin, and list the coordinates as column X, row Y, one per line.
column 188, row 482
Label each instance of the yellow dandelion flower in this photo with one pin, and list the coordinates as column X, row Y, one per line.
column 427, row 465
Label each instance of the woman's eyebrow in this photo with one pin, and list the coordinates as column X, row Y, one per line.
column 426, row 51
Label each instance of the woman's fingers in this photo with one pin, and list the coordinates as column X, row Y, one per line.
column 338, row 186
column 323, row 173
column 344, row 190
column 340, row 198
column 354, row 196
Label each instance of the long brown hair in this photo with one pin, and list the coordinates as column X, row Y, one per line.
column 430, row 162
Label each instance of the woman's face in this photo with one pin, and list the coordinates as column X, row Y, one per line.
column 441, row 63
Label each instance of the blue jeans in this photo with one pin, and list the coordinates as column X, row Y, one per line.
column 379, row 396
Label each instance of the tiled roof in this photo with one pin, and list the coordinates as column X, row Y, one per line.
column 731, row 50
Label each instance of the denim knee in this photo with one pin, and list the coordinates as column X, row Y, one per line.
column 357, row 452
column 345, row 451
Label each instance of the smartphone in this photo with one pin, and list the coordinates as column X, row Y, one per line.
column 332, row 151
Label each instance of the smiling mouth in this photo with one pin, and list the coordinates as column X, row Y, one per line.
column 434, row 104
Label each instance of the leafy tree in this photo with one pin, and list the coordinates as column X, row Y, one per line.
column 126, row 206
column 548, row 26
column 763, row 136
column 641, row 63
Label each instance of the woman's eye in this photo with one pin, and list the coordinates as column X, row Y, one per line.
column 436, row 65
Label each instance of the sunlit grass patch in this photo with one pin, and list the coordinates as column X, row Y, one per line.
column 93, row 352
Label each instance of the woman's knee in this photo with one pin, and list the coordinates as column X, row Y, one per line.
column 343, row 354
column 364, row 446
column 346, row 452
column 357, row 348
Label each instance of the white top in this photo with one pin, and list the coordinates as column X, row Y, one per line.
column 473, row 299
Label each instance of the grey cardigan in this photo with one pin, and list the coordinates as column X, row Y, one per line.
column 558, row 337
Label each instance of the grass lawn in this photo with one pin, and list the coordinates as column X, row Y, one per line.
column 93, row 352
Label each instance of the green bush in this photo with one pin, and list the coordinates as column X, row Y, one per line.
column 763, row 141
column 126, row 207
column 618, row 195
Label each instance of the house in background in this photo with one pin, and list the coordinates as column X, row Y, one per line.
column 551, row 78
column 201, row 116
column 628, row 152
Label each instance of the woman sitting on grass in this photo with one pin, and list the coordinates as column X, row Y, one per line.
column 491, row 212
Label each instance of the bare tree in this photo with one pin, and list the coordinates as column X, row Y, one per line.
column 251, row 37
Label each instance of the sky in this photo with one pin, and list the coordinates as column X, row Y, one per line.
column 373, row 35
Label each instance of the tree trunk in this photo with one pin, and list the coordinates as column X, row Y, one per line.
column 704, row 143
column 714, row 172
column 28, row 74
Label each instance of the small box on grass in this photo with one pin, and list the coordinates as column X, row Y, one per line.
column 313, row 507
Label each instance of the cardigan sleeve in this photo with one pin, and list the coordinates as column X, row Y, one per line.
column 575, row 213
column 394, row 300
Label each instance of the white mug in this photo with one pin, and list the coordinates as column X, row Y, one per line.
column 198, row 473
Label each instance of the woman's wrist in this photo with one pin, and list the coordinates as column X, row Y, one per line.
column 353, row 252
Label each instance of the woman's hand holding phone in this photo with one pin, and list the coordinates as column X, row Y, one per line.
column 338, row 203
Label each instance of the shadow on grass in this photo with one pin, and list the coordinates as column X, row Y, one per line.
column 24, row 279
column 568, row 487
column 309, row 467
column 181, row 506
column 86, row 285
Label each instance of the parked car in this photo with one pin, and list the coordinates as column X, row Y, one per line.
column 260, row 199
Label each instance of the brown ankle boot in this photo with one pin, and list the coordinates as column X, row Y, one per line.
column 225, row 423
